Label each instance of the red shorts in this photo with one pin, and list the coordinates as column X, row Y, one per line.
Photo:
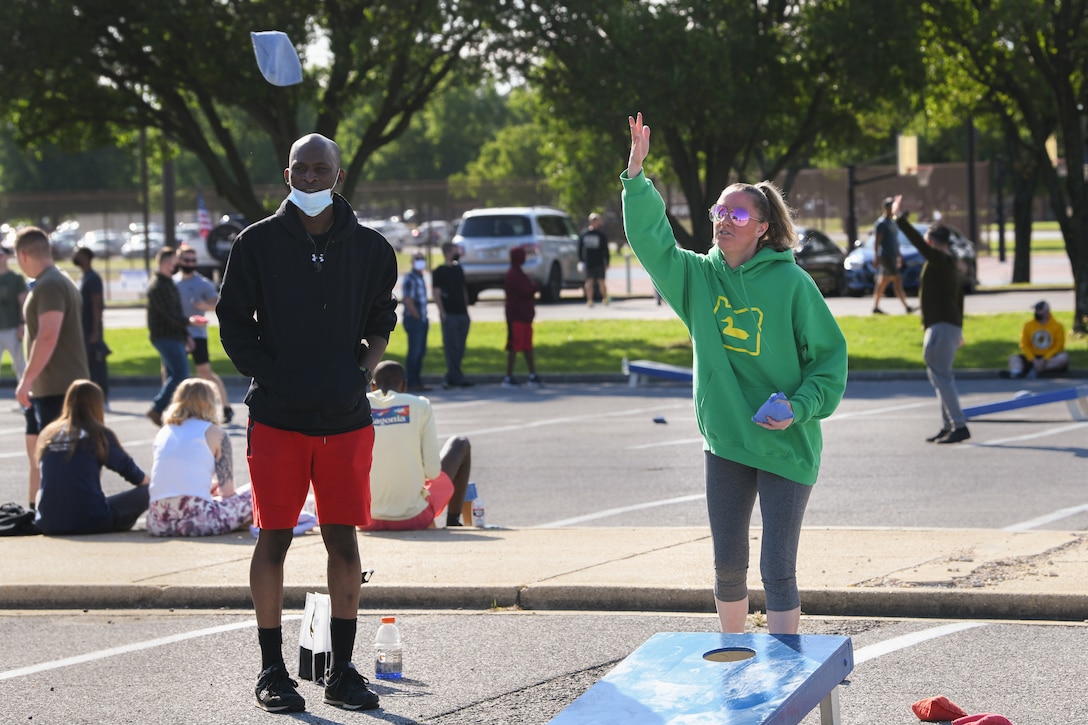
column 519, row 336
column 283, row 464
column 440, row 492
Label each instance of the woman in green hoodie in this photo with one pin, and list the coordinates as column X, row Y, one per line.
column 758, row 326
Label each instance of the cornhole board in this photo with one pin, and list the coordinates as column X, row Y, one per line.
column 638, row 369
column 733, row 679
column 1076, row 398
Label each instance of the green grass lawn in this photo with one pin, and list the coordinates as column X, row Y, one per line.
column 891, row 342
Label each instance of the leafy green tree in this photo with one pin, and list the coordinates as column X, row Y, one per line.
column 732, row 89
column 443, row 138
column 188, row 69
column 1031, row 56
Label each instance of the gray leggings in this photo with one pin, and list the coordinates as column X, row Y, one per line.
column 731, row 490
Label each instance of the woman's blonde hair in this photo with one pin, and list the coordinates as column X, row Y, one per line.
column 194, row 398
column 84, row 410
column 767, row 197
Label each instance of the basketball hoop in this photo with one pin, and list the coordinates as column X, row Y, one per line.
column 923, row 173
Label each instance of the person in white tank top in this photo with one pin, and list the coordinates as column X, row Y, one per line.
column 192, row 469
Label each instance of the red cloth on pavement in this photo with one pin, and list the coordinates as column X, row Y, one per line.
column 937, row 709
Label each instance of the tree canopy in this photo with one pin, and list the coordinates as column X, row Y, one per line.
column 188, row 69
column 734, row 89
column 1031, row 57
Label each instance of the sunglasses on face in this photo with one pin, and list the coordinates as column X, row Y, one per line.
column 740, row 217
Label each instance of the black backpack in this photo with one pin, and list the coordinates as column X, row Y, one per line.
column 17, row 521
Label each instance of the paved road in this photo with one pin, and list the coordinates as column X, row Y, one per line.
column 504, row 668
column 593, row 453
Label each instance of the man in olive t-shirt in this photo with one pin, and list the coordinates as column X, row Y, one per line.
column 56, row 355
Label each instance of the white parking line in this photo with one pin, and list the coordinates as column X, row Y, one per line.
column 909, row 640
column 558, row 421
column 613, row 512
column 1047, row 518
column 1029, row 436
column 134, row 647
column 833, row 418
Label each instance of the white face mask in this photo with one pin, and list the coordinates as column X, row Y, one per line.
column 311, row 203
column 419, row 265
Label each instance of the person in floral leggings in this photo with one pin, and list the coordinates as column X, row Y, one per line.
column 192, row 471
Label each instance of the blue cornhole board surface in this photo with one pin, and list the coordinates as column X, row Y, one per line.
column 1026, row 401
column 667, row 680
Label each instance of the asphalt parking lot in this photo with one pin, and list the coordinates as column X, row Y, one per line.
column 592, row 455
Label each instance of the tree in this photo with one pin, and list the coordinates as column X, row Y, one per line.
column 187, row 69
column 733, row 89
column 1032, row 57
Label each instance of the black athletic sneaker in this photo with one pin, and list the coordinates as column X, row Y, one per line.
column 276, row 691
column 960, row 434
column 346, row 688
column 939, row 435
column 228, row 414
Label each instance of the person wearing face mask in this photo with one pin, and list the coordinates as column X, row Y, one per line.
column 198, row 295
column 1042, row 347
column 414, row 292
column 759, row 328
column 305, row 310
column 451, row 299
column 167, row 327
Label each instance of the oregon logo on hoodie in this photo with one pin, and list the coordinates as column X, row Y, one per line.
column 739, row 327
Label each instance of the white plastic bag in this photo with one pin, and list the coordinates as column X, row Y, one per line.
column 315, row 639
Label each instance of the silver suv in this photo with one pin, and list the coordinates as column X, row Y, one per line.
column 486, row 236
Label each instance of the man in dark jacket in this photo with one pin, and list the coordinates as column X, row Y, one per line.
column 306, row 309
column 168, row 328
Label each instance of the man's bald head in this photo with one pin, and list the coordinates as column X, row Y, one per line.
column 317, row 141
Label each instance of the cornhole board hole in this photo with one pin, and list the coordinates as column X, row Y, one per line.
column 1075, row 398
column 732, row 679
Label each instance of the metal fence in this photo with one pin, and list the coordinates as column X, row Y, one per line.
column 819, row 197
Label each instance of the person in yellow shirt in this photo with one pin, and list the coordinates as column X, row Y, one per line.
column 1042, row 346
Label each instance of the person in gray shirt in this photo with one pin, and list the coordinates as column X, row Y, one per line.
column 199, row 296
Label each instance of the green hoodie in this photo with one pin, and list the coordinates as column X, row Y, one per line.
column 757, row 329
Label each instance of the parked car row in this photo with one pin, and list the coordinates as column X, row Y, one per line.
column 861, row 268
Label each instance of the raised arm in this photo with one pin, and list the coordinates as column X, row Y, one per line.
column 640, row 145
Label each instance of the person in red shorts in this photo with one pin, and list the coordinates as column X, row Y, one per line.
column 305, row 310
column 520, row 311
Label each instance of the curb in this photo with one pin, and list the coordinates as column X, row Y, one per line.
column 852, row 602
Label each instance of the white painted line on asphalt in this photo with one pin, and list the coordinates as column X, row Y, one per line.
column 612, row 512
column 1029, row 436
column 833, row 418
column 876, row 411
column 681, row 442
column 558, row 421
column 1047, row 518
column 909, row 640
column 134, row 647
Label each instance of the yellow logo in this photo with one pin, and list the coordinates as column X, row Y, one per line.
column 739, row 327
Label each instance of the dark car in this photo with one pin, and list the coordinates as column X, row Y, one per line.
column 822, row 259
column 861, row 272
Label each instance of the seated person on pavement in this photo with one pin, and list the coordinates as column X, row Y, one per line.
column 192, row 469
column 71, row 453
column 411, row 482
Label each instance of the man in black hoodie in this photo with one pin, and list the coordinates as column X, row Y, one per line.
column 305, row 310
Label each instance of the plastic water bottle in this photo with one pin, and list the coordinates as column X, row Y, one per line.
column 388, row 657
column 478, row 512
